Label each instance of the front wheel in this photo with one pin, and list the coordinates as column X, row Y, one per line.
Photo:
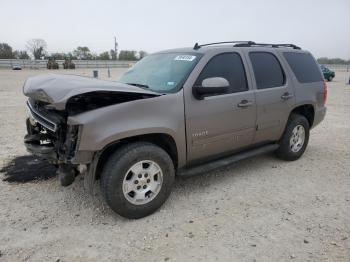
column 295, row 138
column 137, row 179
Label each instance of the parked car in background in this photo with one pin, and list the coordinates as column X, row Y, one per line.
column 327, row 73
column 16, row 67
column 178, row 112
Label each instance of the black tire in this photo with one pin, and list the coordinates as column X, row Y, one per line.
column 284, row 151
column 116, row 169
column 330, row 78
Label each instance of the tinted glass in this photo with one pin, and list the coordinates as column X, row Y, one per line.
column 163, row 73
column 228, row 66
column 304, row 67
column 267, row 70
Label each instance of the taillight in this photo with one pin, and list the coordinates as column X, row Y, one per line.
column 325, row 92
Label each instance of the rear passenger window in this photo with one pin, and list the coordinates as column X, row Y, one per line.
column 228, row 66
column 267, row 70
column 304, row 67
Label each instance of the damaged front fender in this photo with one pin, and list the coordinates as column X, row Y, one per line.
column 157, row 115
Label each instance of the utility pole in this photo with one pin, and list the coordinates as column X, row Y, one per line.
column 115, row 48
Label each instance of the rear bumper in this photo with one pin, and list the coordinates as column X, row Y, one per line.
column 319, row 115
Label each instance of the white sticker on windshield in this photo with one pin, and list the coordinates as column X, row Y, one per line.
column 189, row 58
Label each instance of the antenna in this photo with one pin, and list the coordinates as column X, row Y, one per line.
column 115, row 48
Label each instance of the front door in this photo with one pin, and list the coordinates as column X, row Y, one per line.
column 220, row 124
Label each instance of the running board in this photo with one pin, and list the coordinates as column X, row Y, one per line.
column 226, row 161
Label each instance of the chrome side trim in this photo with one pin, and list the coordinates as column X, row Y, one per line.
column 47, row 123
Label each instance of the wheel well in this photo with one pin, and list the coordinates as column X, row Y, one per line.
column 164, row 141
column 307, row 111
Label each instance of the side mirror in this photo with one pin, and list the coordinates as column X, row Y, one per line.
column 210, row 86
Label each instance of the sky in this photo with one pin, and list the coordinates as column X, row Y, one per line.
column 320, row 26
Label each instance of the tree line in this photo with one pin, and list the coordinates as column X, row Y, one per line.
column 37, row 49
column 6, row 52
column 332, row 61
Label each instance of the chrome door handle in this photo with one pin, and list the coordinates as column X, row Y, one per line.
column 286, row 96
column 244, row 103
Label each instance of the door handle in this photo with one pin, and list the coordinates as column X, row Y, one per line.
column 286, row 96
column 244, row 103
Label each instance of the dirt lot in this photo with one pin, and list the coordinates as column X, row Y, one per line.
column 260, row 209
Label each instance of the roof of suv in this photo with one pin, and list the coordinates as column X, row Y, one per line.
column 204, row 48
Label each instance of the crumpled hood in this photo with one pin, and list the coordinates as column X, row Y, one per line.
column 57, row 89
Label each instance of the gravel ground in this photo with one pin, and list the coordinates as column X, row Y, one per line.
column 260, row 209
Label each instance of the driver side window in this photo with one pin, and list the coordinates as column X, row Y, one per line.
column 228, row 66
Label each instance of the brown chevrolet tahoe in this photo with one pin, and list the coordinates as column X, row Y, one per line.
column 177, row 112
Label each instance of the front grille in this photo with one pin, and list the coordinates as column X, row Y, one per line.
column 41, row 119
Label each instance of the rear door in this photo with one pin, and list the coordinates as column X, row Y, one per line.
column 220, row 124
column 274, row 94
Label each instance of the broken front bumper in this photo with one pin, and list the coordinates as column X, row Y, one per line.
column 51, row 138
column 34, row 147
column 41, row 133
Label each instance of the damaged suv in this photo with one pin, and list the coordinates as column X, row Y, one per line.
column 177, row 112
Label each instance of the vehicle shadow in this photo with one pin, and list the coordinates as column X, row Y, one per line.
column 231, row 172
column 24, row 169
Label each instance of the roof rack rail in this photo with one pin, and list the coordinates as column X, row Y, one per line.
column 247, row 44
column 267, row 45
column 197, row 46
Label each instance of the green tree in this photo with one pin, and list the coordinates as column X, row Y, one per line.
column 82, row 52
column 37, row 47
column 103, row 56
column 20, row 54
column 142, row 54
column 127, row 55
column 326, row 60
column 58, row 56
column 113, row 54
column 71, row 56
column 5, row 51
column 93, row 56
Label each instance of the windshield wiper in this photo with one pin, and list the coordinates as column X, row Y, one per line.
column 138, row 85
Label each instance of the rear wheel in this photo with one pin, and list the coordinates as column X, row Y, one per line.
column 295, row 138
column 137, row 179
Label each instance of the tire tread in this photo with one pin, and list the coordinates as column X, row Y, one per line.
column 110, row 179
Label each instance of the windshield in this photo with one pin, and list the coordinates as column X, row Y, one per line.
column 164, row 73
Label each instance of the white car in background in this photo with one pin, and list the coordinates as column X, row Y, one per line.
column 16, row 67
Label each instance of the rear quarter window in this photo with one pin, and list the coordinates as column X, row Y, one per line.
column 304, row 67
